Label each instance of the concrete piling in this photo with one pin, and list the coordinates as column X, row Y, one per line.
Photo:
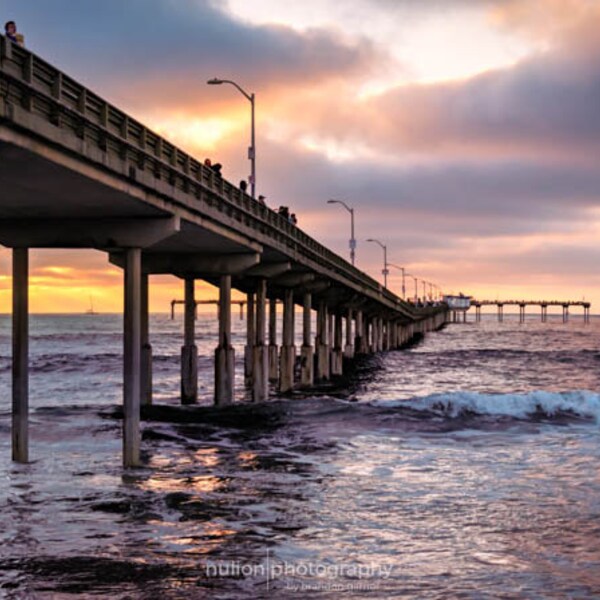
column 260, row 359
column 132, row 358
column 307, row 352
column 322, row 343
column 189, row 350
column 288, row 350
column 224, row 354
column 273, row 348
column 20, row 366
column 337, row 354
column 146, row 357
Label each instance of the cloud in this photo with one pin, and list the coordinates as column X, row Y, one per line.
column 165, row 50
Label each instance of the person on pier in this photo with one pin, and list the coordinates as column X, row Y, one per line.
column 10, row 30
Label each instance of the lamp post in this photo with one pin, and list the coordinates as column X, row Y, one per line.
column 403, row 278
column 352, row 239
column 385, row 262
column 252, row 148
column 416, row 287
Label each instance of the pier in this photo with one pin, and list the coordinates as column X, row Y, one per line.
column 77, row 172
column 522, row 304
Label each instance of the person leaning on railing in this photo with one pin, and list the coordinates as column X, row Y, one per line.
column 10, row 29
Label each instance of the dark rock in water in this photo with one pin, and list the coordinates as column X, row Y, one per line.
column 117, row 507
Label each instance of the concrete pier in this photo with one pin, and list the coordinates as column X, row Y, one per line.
column 360, row 339
column 250, row 337
column 132, row 358
column 115, row 186
column 337, row 354
column 288, row 350
column 146, row 368
column 322, row 343
column 260, row 359
column 273, row 348
column 189, row 350
column 307, row 352
column 224, row 354
column 349, row 347
column 20, row 366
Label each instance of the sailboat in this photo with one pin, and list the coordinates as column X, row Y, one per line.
column 91, row 310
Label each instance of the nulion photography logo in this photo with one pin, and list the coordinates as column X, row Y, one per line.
column 304, row 575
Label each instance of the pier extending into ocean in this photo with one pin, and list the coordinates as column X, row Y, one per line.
column 77, row 172
column 522, row 304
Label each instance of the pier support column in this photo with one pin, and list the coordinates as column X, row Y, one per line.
column 146, row 378
column 132, row 357
column 359, row 339
column 273, row 349
column 250, row 337
column 307, row 375
column 337, row 354
column 20, row 359
column 349, row 349
column 565, row 313
column 288, row 350
column 379, row 325
column 224, row 354
column 323, row 364
column 521, row 313
column 260, row 365
column 189, row 351
column 500, row 313
column 478, row 313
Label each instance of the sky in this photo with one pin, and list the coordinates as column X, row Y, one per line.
column 465, row 133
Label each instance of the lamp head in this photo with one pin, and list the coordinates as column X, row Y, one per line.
column 214, row 81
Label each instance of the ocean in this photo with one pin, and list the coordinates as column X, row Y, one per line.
column 466, row 466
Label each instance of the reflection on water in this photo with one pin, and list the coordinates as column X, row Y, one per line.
column 493, row 497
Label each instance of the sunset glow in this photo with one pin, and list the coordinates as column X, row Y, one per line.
column 464, row 134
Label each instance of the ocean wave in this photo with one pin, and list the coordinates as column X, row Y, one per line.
column 584, row 404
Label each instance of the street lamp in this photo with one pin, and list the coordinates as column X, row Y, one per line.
column 416, row 287
column 403, row 278
column 352, row 240
column 385, row 262
column 252, row 148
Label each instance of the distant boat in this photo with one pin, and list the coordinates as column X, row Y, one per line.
column 90, row 310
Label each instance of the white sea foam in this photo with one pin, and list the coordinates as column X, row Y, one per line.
column 582, row 403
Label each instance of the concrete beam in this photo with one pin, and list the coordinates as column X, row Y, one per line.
column 193, row 265
column 269, row 270
column 103, row 234
column 293, row 280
